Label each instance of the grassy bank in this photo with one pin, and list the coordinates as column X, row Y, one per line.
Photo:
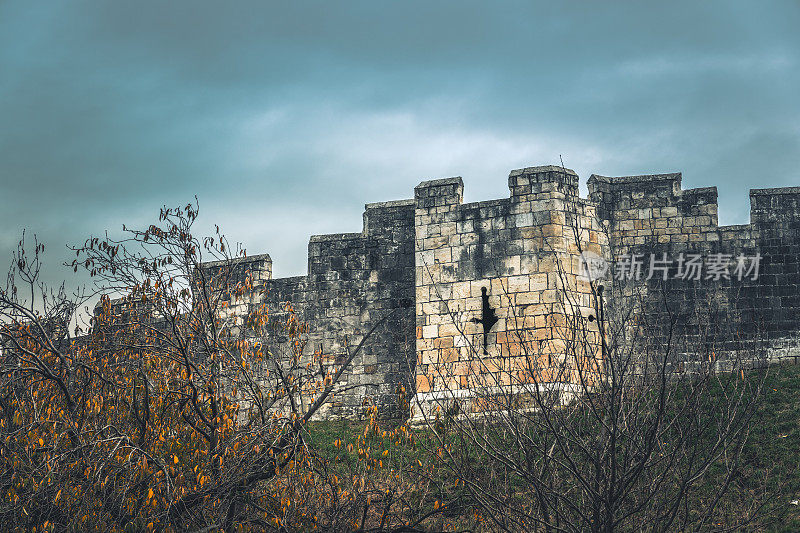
column 769, row 470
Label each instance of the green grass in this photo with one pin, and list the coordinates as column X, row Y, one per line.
column 769, row 467
column 774, row 448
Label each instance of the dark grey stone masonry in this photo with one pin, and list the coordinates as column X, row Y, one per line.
column 356, row 279
column 710, row 319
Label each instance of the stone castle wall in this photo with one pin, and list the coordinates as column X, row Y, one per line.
column 710, row 318
column 438, row 254
column 522, row 251
column 354, row 281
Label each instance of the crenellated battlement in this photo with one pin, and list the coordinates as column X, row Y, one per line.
column 768, row 206
column 522, row 252
column 545, row 179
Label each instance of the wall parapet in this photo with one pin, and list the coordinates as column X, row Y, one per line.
column 775, row 191
column 639, row 178
column 775, row 207
column 390, row 203
column 445, row 255
column 265, row 258
column 439, row 193
column 258, row 266
column 335, row 237
column 543, row 179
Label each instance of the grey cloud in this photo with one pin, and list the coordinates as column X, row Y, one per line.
column 285, row 118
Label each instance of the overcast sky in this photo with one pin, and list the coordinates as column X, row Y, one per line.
column 285, row 118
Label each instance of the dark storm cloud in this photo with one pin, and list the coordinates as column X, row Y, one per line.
column 285, row 118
